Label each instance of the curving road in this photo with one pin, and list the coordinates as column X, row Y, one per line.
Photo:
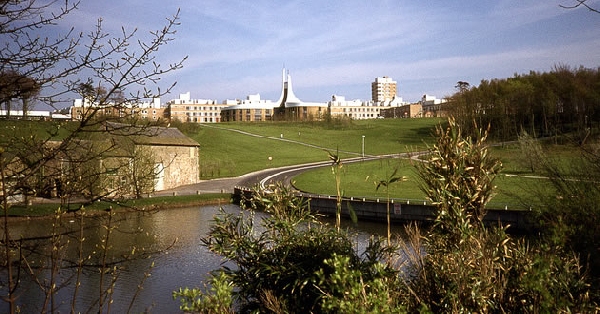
column 267, row 176
column 261, row 177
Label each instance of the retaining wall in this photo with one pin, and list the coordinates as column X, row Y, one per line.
column 376, row 210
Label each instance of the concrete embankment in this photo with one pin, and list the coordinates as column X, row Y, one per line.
column 400, row 212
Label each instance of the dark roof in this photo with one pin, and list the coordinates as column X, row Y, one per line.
column 150, row 135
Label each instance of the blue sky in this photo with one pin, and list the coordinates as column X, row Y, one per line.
column 237, row 48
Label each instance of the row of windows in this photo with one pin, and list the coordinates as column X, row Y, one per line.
column 203, row 120
column 200, row 114
column 119, row 110
column 195, row 101
column 258, row 111
column 202, row 108
column 79, row 117
column 362, row 109
column 362, row 115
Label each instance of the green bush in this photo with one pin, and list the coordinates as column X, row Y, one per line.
column 294, row 263
column 469, row 267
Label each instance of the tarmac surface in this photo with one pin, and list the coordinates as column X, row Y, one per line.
column 262, row 178
column 227, row 185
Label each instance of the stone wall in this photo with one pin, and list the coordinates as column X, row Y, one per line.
column 180, row 165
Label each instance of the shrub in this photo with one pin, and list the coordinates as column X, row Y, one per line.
column 294, row 263
column 469, row 267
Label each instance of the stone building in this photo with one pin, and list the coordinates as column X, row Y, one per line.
column 433, row 107
column 175, row 157
column 150, row 110
column 119, row 160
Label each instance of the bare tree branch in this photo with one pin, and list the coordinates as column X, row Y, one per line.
column 40, row 62
column 580, row 3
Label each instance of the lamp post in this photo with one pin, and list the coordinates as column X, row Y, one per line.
column 363, row 146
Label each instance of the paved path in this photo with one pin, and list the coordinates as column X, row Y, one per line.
column 226, row 185
column 267, row 176
column 261, row 177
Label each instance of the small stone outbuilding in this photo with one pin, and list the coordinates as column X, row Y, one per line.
column 176, row 156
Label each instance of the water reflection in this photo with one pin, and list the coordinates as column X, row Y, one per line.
column 181, row 262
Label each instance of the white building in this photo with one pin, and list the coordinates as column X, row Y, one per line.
column 432, row 106
column 34, row 115
column 358, row 109
column 186, row 109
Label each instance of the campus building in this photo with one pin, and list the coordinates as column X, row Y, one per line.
column 288, row 107
column 358, row 109
column 251, row 109
column 404, row 111
column 433, row 107
column 185, row 109
column 383, row 89
column 150, row 110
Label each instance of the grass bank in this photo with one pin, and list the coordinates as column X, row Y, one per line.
column 162, row 202
column 517, row 186
column 233, row 149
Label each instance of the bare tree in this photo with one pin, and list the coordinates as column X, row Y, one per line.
column 580, row 3
column 50, row 69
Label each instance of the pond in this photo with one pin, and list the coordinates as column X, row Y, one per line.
column 163, row 249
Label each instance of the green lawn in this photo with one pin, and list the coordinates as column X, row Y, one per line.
column 224, row 151
column 233, row 149
column 227, row 152
column 360, row 180
column 516, row 186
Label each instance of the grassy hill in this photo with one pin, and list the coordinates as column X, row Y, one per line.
column 232, row 149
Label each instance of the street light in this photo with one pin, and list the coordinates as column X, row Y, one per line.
column 363, row 146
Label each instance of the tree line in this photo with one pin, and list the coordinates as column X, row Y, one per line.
column 564, row 100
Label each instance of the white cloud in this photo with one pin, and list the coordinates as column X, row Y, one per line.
column 237, row 48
